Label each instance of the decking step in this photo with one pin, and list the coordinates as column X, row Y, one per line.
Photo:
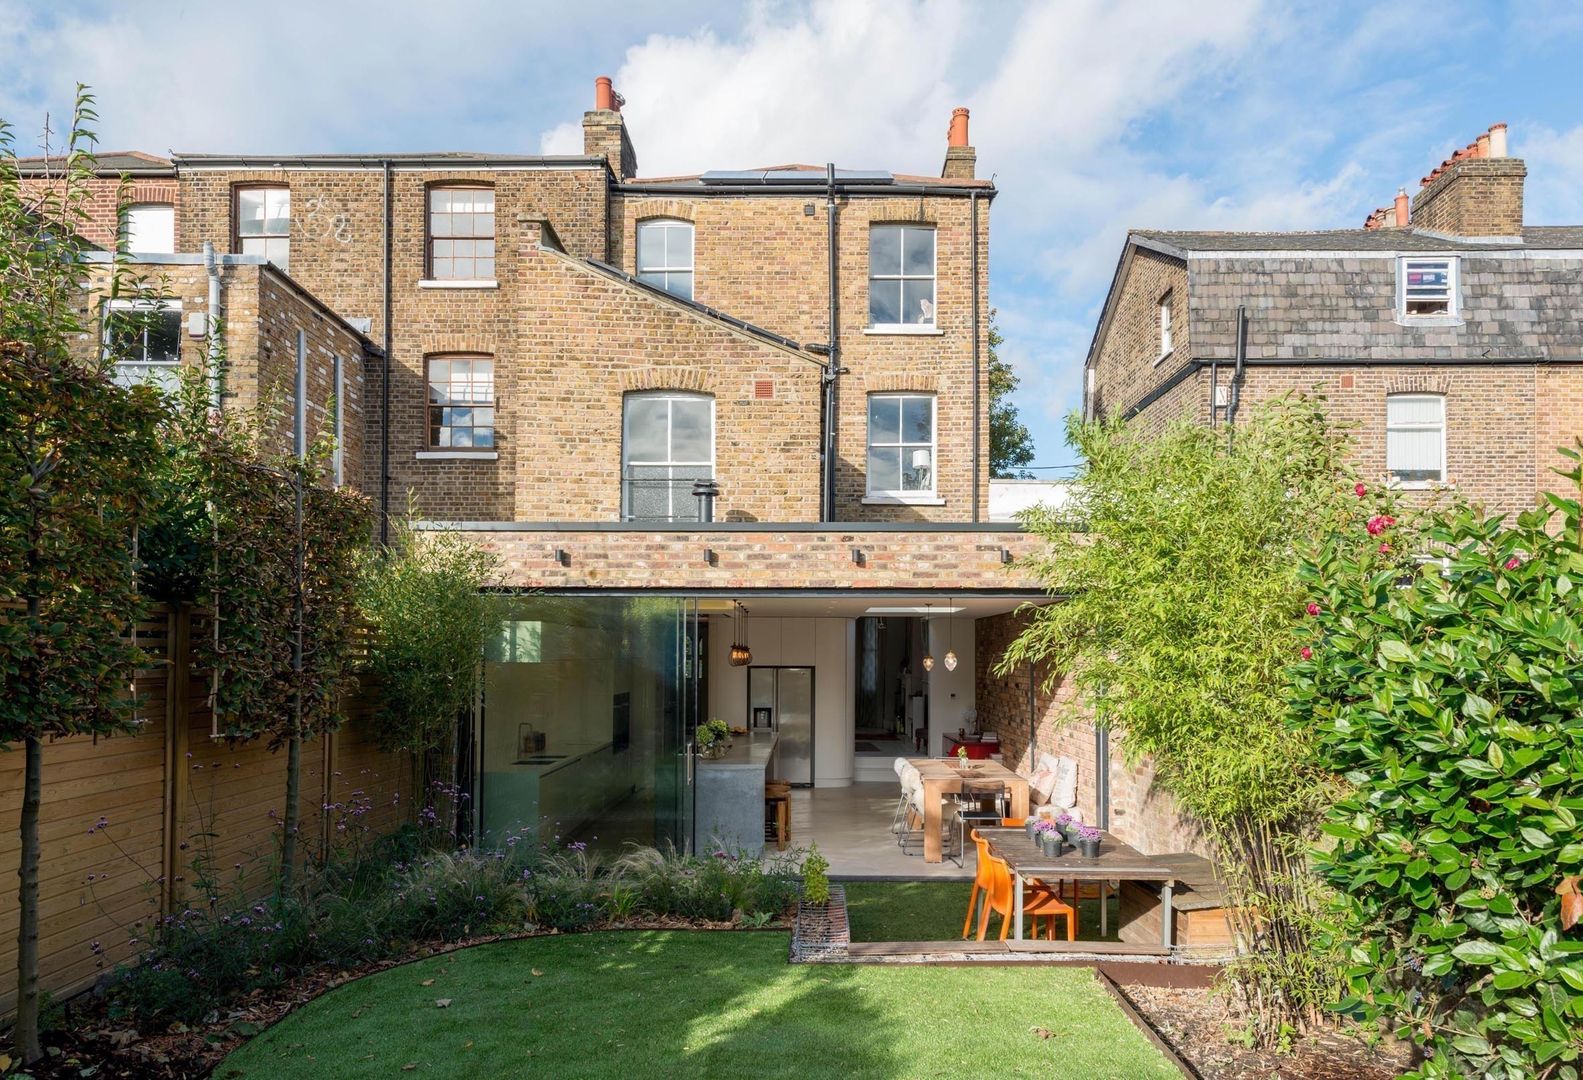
column 860, row 949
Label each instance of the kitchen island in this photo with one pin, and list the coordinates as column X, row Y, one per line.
column 730, row 796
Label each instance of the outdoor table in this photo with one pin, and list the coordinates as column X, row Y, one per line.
column 941, row 777
column 1116, row 862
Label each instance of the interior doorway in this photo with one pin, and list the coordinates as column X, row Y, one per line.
column 891, row 711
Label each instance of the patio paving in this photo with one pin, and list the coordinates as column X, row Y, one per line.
column 852, row 828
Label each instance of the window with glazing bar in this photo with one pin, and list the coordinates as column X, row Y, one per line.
column 667, row 444
column 461, row 403
column 461, row 233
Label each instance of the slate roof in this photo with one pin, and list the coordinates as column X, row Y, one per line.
column 1534, row 236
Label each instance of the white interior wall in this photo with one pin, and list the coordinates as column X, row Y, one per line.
column 827, row 646
column 950, row 692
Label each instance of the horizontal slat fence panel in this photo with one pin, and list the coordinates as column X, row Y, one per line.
column 169, row 794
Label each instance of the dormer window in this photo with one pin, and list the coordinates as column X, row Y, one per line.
column 1426, row 287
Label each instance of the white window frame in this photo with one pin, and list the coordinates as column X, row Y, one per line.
column 242, row 238
column 1163, row 319
column 157, row 373
column 339, row 460
column 670, row 462
column 1453, row 312
column 933, row 277
column 904, row 495
column 440, row 450
column 667, row 269
column 1441, row 426
column 451, row 279
column 166, row 243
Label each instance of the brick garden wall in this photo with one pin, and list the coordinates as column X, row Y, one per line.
column 1140, row 814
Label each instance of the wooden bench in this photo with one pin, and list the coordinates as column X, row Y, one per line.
column 1200, row 928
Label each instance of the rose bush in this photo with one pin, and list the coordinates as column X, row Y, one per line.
column 1442, row 678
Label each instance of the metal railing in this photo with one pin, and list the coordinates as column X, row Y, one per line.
column 669, row 500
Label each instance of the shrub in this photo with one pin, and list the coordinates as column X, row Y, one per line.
column 1447, row 694
column 815, row 877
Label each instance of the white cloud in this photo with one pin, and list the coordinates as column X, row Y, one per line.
column 1552, row 193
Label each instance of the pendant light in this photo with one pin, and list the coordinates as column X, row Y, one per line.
column 928, row 657
column 741, row 655
column 950, row 648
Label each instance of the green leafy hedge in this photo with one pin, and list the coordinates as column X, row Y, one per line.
column 1442, row 674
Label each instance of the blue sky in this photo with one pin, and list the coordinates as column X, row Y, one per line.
column 1092, row 117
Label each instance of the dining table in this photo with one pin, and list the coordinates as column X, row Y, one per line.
column 1116, row 861
column 945, row 776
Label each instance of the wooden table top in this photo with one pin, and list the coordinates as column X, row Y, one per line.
column 943, row 769
column 1116, row 861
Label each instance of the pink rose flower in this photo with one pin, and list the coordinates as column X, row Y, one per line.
column 1360, row 491
column 1313, row 609
column 1379, row 523
column 1513, row 563
column 1306, row 653
column 1385, row 549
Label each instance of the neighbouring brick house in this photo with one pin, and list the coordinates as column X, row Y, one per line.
column 1447, row 333
column 737, row 408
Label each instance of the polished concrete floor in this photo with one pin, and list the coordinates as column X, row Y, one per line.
column 851, row 825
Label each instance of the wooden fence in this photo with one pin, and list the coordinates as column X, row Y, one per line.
column 123, row 819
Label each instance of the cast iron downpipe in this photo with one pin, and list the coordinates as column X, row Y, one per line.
column 384, row 405
column 832, row 364
column 972, row 202
column 1236, row 374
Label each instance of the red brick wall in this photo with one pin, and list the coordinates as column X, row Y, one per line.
column 102, row 226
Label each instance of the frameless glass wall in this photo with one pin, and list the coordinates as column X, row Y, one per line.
column 588, row 709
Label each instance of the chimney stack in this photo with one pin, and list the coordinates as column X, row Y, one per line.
column 960, row 157
column 1403, row 208
column 605, row 132
column 1477, row 191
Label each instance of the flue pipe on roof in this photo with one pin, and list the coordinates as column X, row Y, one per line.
column 1497, row 140
column 957, row 134
column 1403, row 208
column 604, row 94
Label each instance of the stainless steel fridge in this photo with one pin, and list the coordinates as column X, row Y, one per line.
column 787, row 694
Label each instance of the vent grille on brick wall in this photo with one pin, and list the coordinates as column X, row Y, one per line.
column 764, row 389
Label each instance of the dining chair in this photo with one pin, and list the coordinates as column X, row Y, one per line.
column 1037, row 901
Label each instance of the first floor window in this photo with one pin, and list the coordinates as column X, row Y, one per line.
column 263, row 223
column 901, row 444
column 667, row 444
column 1427, row 286
column 461, row 403
column 900, row 275
column 143, row 339
column 149, row 227
column 665, row 256
column 1415, row 438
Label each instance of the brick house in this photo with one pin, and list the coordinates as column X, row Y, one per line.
column 737, row 408
column 1446, row 332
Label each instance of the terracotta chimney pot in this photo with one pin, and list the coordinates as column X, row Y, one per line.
column 1483, row 144
column 957, row 136
column 604, row 94
column 1403, row 208
column 1497, row 140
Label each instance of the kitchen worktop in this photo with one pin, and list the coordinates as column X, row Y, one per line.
column 747, row 752
column 568, row 754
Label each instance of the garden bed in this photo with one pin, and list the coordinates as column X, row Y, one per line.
column 1202, row 1028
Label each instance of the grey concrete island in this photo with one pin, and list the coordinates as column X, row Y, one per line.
column 729, row 796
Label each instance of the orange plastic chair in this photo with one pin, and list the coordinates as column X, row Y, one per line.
column 980, row 882
column 1037, row 901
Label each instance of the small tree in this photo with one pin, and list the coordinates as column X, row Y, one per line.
column 73, row 489
column 1010, row 441
column 1175, row 627
column 1441, row 676
column 429, row 620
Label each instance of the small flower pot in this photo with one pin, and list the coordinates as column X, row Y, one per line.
column 1032, row 828
column 714, row 751
column 1049, row 844
column 1089, row 848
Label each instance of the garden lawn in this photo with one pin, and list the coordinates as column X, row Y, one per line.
column 699, row 1004
column 933, row 911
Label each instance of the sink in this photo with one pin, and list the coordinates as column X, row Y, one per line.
column 540, row 759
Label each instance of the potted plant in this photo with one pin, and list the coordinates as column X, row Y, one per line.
column 712, row 739
column 815, row 878
column 965, row 763
column 1049, row 838
column 1088, row 839
column 1067, row 825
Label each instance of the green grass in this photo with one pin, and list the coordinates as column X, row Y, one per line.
column 933, row 911
column 699, row 1004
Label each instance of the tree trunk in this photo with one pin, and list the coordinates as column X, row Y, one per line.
column 288, row 843
column 27, row 1009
